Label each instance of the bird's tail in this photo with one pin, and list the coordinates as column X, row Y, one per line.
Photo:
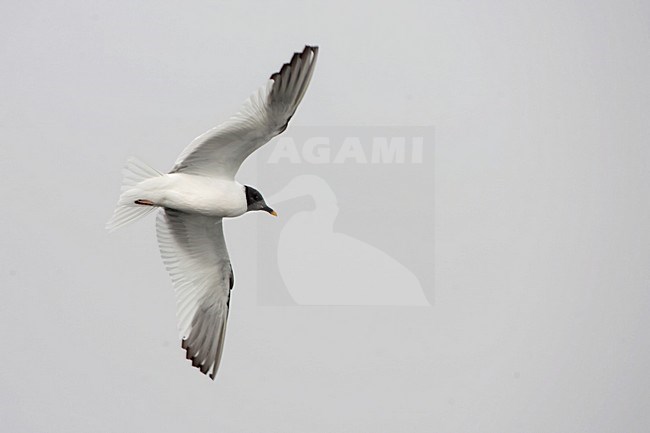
column 135, row 171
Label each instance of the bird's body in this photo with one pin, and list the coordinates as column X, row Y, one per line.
column 191, row 193
column 201, row 190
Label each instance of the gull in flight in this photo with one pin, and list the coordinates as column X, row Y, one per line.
column 195, row 196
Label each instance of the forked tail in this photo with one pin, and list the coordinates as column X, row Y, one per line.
column 127, row 211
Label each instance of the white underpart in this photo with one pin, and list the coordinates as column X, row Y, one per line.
column 194, row 194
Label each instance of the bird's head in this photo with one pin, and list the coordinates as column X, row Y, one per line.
column 255, row 201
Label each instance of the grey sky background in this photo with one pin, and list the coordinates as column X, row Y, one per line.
column 541, row 218
column 353, row 209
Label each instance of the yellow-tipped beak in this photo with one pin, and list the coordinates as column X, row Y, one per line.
column 274, row 213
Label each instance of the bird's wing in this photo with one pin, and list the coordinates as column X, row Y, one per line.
column 220, row 151
column 194, row 251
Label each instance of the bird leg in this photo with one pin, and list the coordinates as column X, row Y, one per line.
column 144, row 202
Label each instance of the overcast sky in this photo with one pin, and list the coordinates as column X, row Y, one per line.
column 540, row 297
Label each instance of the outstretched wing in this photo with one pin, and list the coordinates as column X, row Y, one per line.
column 220, row 151
column 194, row 251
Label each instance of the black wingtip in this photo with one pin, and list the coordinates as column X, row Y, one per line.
column 284, row 68
column 313, row 49
column 310, row 48
column 195, row 362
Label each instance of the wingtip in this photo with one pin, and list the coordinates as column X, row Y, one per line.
column 205, row 369
column 309, row 49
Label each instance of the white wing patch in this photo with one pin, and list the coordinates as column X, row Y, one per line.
column 220, row 151
column 194, row 251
